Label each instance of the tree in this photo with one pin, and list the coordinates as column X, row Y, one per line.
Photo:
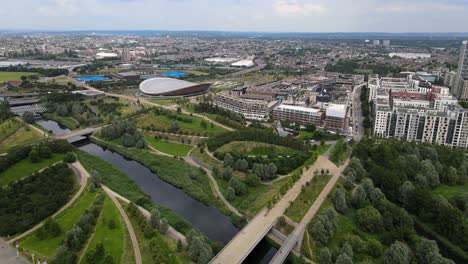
column 216, row 172
column 34, row 156
column 369, row 219
column 325, row 256
column 44, row 152
column 163, row 226
column 180, row 246
column 96, row 179
column 344, row 259
column 69, row 157
column 228, row 160
column 252, row 180
column 429, row 172
column 237, row 185
column 242, row 165
column 227, row 173
column 406, row 191
column 427, row 251
column 100, row 251
column 155, row 218
column 28, row 117
column 359, row 197
column 397, row 253
column 347, row 249
column 230, row 193
column 357, row 167
column 109, row 260
column 339, row 201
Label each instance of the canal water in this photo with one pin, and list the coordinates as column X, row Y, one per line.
column 207, row 219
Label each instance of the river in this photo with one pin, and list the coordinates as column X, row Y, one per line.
column 207, row 219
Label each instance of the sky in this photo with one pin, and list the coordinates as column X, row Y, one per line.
column 238, row 15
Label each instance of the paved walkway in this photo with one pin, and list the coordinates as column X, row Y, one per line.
column 244, row 242
column 8, row 254
column 298, row 232
column 136, row 247
column 82, row 181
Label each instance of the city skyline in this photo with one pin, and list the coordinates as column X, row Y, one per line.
column 237, row 15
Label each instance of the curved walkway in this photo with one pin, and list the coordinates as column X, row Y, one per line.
column 131, row 231
column 198, row 163
column 82, row 180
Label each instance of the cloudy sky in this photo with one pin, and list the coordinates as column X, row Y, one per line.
column 238, row 15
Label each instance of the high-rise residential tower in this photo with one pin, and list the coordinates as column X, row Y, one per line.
column 462, row 73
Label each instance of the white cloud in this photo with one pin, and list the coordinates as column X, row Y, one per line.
column 421, row 7
column 294, row 8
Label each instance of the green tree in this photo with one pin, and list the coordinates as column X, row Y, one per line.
column 359, row 197
column 339, row 201
column 69, row 157
column 227, row 173
column 28, row 117
column 369, row 219
column 347, row 249
column 397, row 253
column 163, row 226
column 343, row 259
column 230, row 193
column 155, row 218
column 325, row 256
column 228, row 160
column 242, row 165
column 34, row 156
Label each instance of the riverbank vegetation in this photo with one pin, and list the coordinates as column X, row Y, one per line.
column 30, row 200
column 121, row 183
column 125, row 132
column 192, row 181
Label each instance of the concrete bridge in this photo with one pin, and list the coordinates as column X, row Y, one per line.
column 246, row 240
column 295, row 238
column 82, row 132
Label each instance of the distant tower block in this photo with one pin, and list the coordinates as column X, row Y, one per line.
column 376, row 42
column 125, row 54
column 386, row 43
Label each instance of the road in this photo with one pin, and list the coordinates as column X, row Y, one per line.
column 8, row 254
column 358, row 128
column 298, row 231
column 244, row 242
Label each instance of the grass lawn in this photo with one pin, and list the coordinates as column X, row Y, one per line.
column 112, row 239
column 168, row 147
column 25, row 168
column 66, row 220
column 9, row 127
column 121, row 183
column 22, row 137
column 164, row 122
column 169, row 249
column 14, row 76
column 450, row 191
column 307, row 197
column 256, row 149
column 67, row 122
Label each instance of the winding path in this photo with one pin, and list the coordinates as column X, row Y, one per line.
column 207, row 168
column 82, row 180
column 131, row 231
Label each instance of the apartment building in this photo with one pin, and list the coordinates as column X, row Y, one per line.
column 335, row 117
column 299, row 114
column 249, row 108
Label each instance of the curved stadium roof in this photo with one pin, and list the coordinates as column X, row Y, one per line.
column 169, row 86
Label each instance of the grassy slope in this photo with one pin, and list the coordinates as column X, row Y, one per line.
column 23, row 137
column 143, row 243
column 450, row 191
column 255, row 148
column 163, row 122
column 14, row 76
column 112, row 239
column 307, row 197
column 25, row 168
column 121, row 183
column 66, row 220
column 168, row 147
column 8, row 128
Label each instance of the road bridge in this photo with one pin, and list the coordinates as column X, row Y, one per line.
column 82, row 132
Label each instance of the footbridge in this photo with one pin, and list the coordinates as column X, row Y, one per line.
column 82, row 132
column 258, row 227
